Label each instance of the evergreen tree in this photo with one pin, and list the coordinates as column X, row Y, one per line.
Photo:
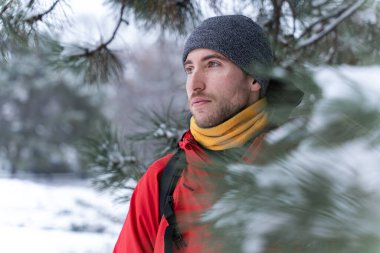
column 43, row 115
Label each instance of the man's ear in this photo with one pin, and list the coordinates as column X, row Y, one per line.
column 255, row 86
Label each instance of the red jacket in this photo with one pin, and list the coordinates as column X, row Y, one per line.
column 143, row 230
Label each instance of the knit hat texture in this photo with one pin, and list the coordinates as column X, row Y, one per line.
column 239, row 39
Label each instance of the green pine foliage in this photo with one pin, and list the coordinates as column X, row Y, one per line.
column 302, row 32
column 163, row 128
column 113, row 167
column 166, row 14
column 299, row 29
column 97, row 66
column 313, row 188
column 118, row 161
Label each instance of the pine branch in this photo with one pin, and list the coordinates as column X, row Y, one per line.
column 215, row 6
column 30, row 4
column 165, row 127
column 100, row 64
column 40, row 16
column 322, row 20
column 319, row 4
column 332, row 26
column 294, row 14
column 104, row 45
column 6, row 6
column 113, row 164
column 313, row 198
column 166, row 14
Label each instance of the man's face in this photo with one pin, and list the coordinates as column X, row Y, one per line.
column 217, row 89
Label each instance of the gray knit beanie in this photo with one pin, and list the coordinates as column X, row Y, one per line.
column 238, row 38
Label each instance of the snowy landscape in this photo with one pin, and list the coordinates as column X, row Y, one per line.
column 57, row 217
column 321, row 189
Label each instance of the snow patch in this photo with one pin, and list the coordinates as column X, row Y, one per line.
column 59, row 218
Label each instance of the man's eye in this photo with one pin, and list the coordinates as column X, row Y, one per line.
column 188, row 70
column 213, row 64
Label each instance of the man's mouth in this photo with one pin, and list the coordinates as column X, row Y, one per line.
column 199, row 101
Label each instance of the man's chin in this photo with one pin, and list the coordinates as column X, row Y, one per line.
column 205, row 122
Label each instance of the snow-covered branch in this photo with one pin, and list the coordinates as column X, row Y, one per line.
column 39, row 17
column 6, row 6
column 105, row 44
column 321, row 20
column 331, row 26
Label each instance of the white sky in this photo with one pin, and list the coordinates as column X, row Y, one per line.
column 95, row 21
column 96, row 16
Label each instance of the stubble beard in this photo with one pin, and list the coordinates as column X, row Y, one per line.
column 221, row 114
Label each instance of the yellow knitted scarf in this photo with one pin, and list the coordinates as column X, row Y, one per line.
column 235, row 131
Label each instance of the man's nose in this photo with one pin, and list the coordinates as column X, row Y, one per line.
column 196, row 81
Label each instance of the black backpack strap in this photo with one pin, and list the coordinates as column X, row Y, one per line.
column 168, row 181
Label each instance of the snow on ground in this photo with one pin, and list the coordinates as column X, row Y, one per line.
column 57, row 218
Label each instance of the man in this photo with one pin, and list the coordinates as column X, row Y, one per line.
column 226, row 97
